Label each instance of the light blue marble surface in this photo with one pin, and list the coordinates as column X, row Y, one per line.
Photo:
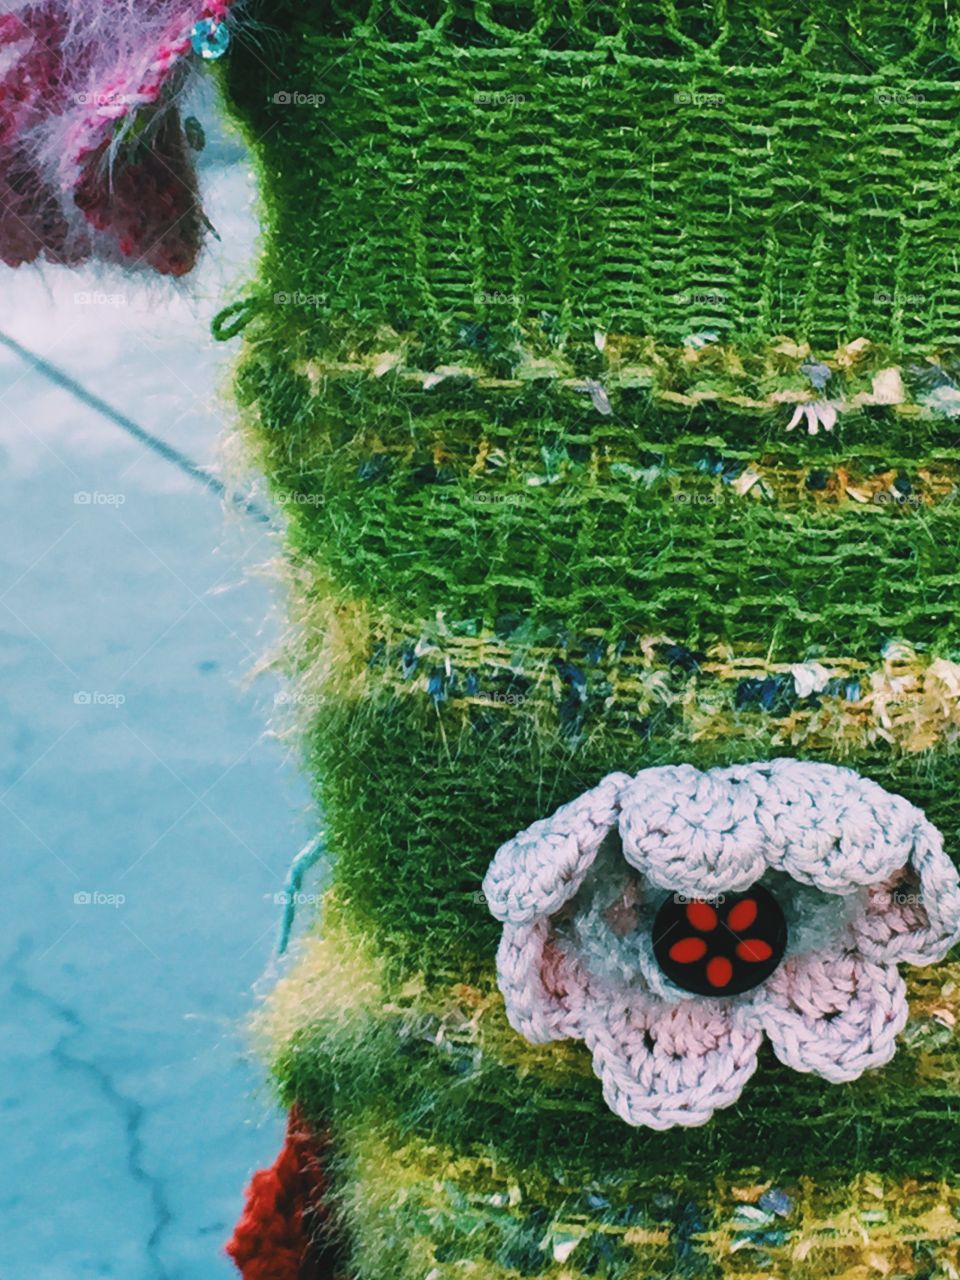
column 135, row 765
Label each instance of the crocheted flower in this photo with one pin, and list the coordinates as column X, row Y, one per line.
column 672, row 919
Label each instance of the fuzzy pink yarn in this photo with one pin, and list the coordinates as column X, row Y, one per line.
column 93, row 158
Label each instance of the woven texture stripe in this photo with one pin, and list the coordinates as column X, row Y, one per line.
column 440, row 1204
column 830, row 704
column 584, row 548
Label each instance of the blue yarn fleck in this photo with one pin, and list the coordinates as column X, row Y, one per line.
column 301, row 864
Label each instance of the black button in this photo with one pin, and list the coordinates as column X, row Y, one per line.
column 720, row 946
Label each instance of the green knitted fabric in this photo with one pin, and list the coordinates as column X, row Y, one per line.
column 542, row 287
column 647, row 168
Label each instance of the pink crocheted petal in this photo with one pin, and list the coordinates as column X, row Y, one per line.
column 692, row 832
column 836, row 1014
column 827, row 826
column 540, row 869
column 544, row 989
column 142, row 192
column 913, row 915
column 664, row 1065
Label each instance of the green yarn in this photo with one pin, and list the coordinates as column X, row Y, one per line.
column 419, row 1209
column 421, row 795
column 375, row 497
column 647, row 168
column 474, row 1131
column 516, row 372
column 890, row 1123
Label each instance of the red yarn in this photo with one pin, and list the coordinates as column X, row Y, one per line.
column 31, row 220
column 148, row 201
column 280, row 1232
column 93, row 157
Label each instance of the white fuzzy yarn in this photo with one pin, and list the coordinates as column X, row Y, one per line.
column 667, row 1059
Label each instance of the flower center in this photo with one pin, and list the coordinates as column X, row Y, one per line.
column 720, row 946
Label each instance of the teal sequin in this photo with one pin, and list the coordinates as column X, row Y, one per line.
column 210, row 39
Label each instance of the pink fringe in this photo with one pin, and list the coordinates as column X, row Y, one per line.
column 77, row 180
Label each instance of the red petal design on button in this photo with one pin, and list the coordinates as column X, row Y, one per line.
column 754, row 950
column 702, row 916
column 687, row 950
column 719, row 971
column 742, row 915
